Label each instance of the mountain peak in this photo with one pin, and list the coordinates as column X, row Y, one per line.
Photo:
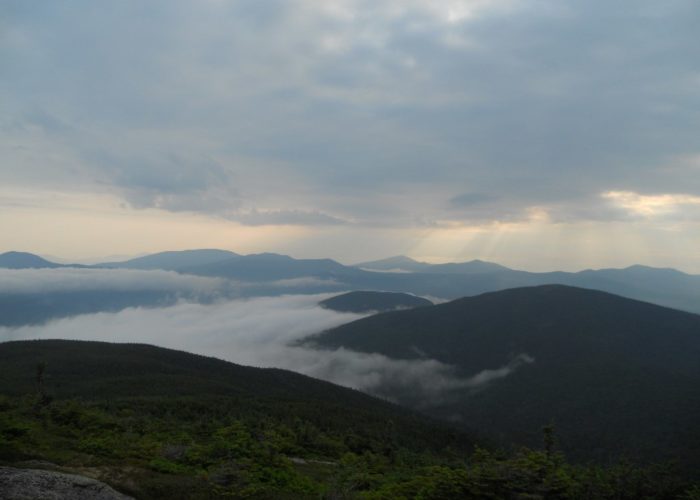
column 175, row 260
column 24, row 260
column 650, row 269
column 552, row 353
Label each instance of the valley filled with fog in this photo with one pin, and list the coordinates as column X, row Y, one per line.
column 203, row 318
column 484, row 348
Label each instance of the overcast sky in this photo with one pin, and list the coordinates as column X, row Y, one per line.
column 539, row 134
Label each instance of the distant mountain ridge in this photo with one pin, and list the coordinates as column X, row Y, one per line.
column 26, row 260
column 407, row 264
column 173, row 260
column 272, row 267
column 264, row 272
column 167, row 261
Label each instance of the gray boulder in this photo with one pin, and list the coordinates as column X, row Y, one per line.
column 35, row 484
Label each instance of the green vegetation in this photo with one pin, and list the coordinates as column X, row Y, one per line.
column 219, row 430
column 618, row 377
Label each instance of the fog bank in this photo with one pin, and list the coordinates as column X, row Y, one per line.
column 31, row 281
column 263, row 332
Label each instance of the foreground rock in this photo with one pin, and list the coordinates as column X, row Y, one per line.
column 34, row 484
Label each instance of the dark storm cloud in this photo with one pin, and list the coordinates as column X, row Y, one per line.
column 311, row 113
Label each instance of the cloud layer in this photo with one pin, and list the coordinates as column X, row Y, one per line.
column 299, row 126
column 303, row 112
column 262, row 332
column 33, row 281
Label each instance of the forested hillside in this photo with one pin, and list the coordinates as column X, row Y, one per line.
column 155, row 423
column 618, row 377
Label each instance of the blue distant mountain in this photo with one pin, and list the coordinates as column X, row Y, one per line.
column 273, row 267
column 173, row 261
column 262, row 274
column 401, row 263
column 25, row 260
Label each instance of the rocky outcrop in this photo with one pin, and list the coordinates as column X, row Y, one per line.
column 35, row 484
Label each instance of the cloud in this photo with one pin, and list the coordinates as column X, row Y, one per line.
column 167, row 180
column 285, row 217
column 31, row 281
column 471, row 199
column 486, row 376
column 669, row 206
column 390, row 122
column 309, row 113
column 265, row 332
column 419, row 383
column 397, row 270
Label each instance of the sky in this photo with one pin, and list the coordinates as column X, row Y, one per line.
column 538, row 134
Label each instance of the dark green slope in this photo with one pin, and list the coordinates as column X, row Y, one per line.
column 617, row 376
column 155, row 423
column 104, row 371
column 101, row 369
column 366, row 301
column 554, row 321
column 158, row 423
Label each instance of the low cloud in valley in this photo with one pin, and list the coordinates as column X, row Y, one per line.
column 264, row 332
column 32, row 281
